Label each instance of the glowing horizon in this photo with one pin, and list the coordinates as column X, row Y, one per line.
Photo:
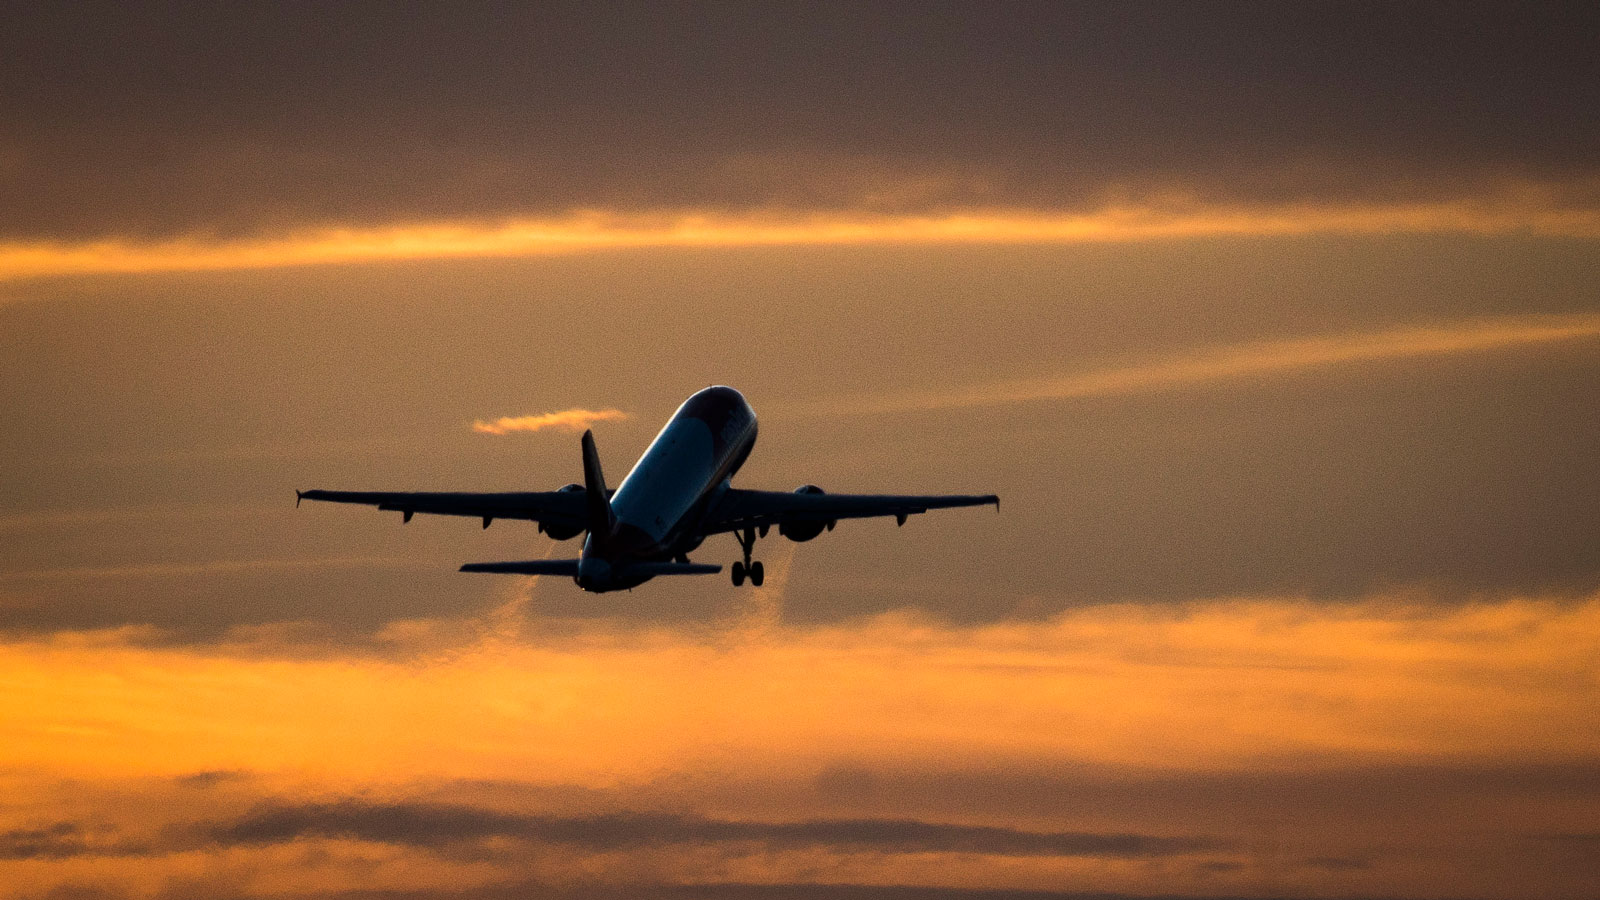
column 893, row 682
column 603, row 724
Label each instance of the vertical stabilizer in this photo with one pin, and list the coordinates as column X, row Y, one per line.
column 601, row 519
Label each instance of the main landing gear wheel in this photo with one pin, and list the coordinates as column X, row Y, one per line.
column 747, row 542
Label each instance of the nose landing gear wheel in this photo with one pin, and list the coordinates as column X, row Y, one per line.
column 738, row 574
column 757, row 573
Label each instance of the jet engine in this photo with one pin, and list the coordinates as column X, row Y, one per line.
column 804, row 531
column 564, row 532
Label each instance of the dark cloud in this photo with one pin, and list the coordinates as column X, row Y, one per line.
column 442, row 825
column 210, row 779
column 54, row 841
column 1338, row 863
column 521, row 890
column 1452, row 828
column 1586, row 839
column 1486, row 825
column 83, row 891
column 737, row 891
column 1385, row 797
column 63, row 840
column 166, row 117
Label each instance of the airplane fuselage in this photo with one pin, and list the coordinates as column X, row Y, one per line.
column 657, row 509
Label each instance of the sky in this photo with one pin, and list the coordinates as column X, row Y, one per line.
column 1276, row 328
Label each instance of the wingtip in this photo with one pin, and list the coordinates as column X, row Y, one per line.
column 298, row 494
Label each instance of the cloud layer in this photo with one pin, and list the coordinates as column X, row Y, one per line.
column 595, row 231
column 440, row 825
column 143, row 121
column 1226, row 683
column 1393, row 748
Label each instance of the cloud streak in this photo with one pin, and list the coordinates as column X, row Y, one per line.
column 1244, row 362
column 575, row 419
column 888, row 109
column 435, row 825
column 593, row 231
column 54, row 841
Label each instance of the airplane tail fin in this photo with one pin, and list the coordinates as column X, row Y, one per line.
column 601, row 518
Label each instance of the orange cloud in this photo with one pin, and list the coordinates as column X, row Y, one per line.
column 565, row 420
column 100, row 731
column 1245, row 361
column 1224, row 683
column 1512, row 213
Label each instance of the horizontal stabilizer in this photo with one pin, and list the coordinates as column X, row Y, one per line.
column 568, row 567
column 654, row 569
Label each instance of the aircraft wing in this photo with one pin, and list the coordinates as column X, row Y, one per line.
column 758, row 509
column 563, row 509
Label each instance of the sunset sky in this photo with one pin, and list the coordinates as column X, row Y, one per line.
column 1275, row 326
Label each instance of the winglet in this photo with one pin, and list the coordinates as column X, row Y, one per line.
column 601, row 518
column 297, row 496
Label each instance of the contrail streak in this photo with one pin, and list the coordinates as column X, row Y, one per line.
column 1240, row 362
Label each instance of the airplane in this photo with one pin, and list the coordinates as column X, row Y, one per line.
column 677, row 495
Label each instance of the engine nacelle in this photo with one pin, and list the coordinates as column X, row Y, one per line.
column 564, row 532
column 804, row 531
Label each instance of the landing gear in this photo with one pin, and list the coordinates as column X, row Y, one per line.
column 754, row 570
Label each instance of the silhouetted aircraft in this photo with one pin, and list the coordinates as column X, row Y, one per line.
column 677, row 494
